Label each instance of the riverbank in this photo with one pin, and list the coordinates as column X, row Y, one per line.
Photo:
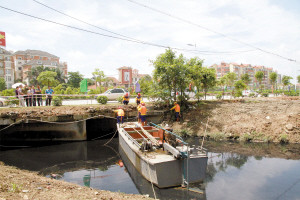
column 250, row 119
column 21, row 184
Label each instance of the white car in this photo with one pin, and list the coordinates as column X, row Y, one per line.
column 113, row 94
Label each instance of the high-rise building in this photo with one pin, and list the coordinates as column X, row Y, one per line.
column 240, row 69
column 26, row 60
column 7, row 67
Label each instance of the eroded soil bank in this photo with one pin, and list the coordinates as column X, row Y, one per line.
column 250, row 119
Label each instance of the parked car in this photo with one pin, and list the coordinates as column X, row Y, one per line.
column 113, row 94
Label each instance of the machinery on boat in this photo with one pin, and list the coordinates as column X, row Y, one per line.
column 162, row 157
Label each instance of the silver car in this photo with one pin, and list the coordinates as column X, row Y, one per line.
column 113, row 94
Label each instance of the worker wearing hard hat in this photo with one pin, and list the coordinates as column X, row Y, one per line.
column 177, row 111
column 143, row 111
column 138, row 99
column 126, row 99
column 120, row 115
column 139, row 113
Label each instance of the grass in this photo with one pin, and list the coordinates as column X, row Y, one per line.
column 15, row 188
column 246, row 137
column 283, row 138
column 217, row 136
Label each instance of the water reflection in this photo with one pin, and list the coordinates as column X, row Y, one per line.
column 235, row 171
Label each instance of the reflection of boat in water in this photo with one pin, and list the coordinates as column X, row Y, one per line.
column 144, row 187
column 162, row 157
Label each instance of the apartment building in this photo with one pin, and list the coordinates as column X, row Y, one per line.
column 7, row 67
column 26, row 60
column 240, row 69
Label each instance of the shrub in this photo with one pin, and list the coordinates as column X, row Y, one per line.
column 252, row 94
column 217, row 136
column 12, row 101
column 265, row 94
column 283, row 138
column 102, row 99
column 57, row 101
column 219, row 96
column 238, row 93
column 120, row 99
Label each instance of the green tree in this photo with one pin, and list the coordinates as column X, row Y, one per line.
column 99, row 77
column 240, row 86
column 231, row 77
column 273, row 79
column 169, row 72
column 47, row 78
column 74, row 79
column 2, row 84
column 208, row 79
column 35, row 72
column 246, row 79
column 286, row 80
column 60, row 75
column 222, row 82
column 259, row 77
column 298, row 78
column 146, row 84
column 195, row 65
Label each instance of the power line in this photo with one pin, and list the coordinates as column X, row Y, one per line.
column 203, row 52
column 110, row 36
column 210, row 30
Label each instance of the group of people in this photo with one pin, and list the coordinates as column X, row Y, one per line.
column 31, row 96
column 142, row 110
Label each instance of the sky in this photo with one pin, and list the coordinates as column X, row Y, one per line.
column 238, row 28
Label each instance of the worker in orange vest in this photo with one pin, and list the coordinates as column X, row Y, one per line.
column 177, row 110
column 126, row 99
column 139, row 113
column 138, row 99
column 120, row 115
column 143, row 111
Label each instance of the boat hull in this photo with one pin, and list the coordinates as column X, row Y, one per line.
column 163, row 174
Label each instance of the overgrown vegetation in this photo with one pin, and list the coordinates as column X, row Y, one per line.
column 102, row 99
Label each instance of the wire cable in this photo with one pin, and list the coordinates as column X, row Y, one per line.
column 116, row 37
column 213, row 31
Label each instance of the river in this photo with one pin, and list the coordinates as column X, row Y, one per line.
column 235, row 171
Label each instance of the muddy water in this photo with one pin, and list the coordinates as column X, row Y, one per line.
column 235, row 171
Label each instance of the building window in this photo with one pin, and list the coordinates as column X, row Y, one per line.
column 19, row 58
column 39, row 62
column 8, row 71
column 20, row 68
column 8, row 78
column 1, row 71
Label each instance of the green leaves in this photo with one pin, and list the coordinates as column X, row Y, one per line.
column 47, row 78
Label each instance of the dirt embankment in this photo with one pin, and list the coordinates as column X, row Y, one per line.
column 21, row 184
column 255, row 119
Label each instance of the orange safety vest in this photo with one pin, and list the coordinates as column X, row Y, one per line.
column 176, row 107
column 121, row 112
column 143, row 110
column 125, row 98
column 138, row 107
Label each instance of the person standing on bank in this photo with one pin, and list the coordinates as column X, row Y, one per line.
column 20, row 96
column 120, row 115
column 38, row 93
column 177, row 111
column 143, row 111
column 49, row 93
column 29, row 96
column 138, row 99
column 33, row 96
column 24, row 91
